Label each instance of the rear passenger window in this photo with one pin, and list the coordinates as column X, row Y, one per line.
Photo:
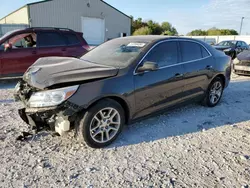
column 190, row 51
column 71, row 38
column 164, row 54
column 48, row 39
column 204, row 52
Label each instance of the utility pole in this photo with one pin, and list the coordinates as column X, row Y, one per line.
column 241, row 24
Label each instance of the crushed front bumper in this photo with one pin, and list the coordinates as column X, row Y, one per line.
column 241, row 69
column 46, row 118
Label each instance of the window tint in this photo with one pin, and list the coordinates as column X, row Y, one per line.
column 204, row 52
column 190, row 51
column 164, row 54
column 71, row 38
column 47, row 39
column 239, row 44
column 244, row 44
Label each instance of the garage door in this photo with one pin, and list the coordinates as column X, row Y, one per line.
column 93, row 30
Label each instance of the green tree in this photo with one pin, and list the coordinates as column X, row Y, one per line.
column 168, row 29
column 152, row 27
column 212, row 31
column 137, row 24
column 197, row 32
column 143, row 31
column 155, row 27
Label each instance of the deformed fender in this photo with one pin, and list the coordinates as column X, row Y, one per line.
column 117, row 98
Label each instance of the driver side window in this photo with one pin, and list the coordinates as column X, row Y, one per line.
column 24, row 40
column 164, row 54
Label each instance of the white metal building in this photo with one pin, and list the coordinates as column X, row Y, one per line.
column 98, row 20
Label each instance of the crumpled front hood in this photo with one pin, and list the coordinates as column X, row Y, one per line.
column 46, row 72
column 245, row 55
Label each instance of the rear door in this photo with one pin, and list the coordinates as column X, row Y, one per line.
column 51, row 43
column 162, row 88
column 75, row 47
column 198, row 66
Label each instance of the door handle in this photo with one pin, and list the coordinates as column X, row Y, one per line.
column 178, row 75
column 209, row 67
column 33, row 52
column 63, row 49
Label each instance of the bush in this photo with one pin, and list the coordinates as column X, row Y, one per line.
column 143, row 31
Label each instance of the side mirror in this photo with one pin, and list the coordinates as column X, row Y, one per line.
column 148, row 66
column 7, row 47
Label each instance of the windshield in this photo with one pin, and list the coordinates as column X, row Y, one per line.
column 117, row 53
column 227, row 43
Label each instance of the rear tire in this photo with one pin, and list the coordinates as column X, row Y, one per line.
column 101, row 124
column 214, row 93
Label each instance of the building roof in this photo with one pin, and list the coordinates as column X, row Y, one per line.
column 45, row 1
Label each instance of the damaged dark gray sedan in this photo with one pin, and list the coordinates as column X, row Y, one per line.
column 119, row 82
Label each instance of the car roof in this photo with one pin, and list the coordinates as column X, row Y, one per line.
column 155, row 38
column 232, row 41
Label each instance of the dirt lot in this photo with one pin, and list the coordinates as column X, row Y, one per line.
column 192, row 146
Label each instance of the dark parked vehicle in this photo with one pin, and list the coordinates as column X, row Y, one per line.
column 21, row 48
column 242, row 64
column 119, row 82
column 232, row 47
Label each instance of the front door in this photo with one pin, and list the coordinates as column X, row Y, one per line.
column 22, row 54
column 162, row 88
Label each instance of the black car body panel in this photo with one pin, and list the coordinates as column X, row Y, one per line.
column 140, row 94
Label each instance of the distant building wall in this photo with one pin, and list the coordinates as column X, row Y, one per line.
column 4, row 28
column 18, row 17
column 69, row 13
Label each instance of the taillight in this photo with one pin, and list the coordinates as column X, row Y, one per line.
column 86, row 47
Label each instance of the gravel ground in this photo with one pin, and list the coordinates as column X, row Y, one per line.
column 193, row 146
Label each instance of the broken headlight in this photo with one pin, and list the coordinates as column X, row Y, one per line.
column 236, row 61
column 51, row 97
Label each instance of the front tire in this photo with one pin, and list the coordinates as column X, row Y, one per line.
column 101, row 124
column 214, row 93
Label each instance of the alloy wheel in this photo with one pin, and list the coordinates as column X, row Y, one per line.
column 215, row 92
column 105, row 125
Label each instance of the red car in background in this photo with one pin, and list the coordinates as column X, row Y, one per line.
column 19, row 49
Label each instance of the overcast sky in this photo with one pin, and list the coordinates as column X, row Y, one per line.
column 185, row 15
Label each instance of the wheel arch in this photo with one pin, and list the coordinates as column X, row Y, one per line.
column 222, row 77
column 124, row 104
